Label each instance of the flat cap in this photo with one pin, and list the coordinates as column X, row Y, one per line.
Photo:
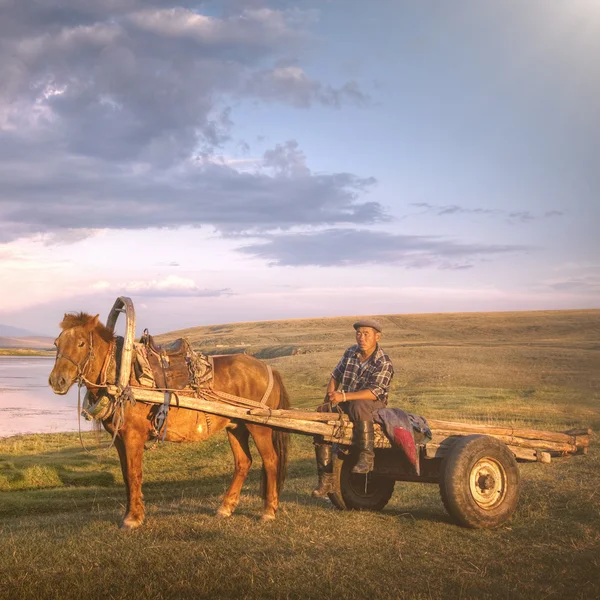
column 368, row 323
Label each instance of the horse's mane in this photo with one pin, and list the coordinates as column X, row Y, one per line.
column 81, row 320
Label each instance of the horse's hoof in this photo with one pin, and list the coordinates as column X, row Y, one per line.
column 267, row 518
column 223, row 513
column 131, row 524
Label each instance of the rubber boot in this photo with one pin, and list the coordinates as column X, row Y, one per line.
column 324, row 470
column 363, row 439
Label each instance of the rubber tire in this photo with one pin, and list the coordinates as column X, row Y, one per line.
column 351, row 495
column 455, row 484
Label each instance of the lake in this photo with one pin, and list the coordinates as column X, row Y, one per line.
column 27, row 404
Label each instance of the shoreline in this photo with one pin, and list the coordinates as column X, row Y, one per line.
column 24, row 352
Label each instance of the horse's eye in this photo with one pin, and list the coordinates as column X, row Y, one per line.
column 81, row 344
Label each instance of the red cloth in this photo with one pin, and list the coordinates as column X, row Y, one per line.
column 405, row 440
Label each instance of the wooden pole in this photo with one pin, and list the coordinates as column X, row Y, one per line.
column 334, row 432
column 340, row 429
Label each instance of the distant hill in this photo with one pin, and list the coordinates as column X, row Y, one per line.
column 515, row 364
column 14, row 332
column 34, row 342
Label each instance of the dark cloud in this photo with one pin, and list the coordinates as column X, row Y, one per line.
column 44, row 194
column 344, row 247
column 146, row 80
column 112, row 115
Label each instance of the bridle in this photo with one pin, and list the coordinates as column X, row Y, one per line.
column 81, row 366
column 81, row 379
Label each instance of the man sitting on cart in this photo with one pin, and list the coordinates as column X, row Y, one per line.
column 359, row 386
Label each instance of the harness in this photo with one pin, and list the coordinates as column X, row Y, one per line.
column 199, row 384
column 104, row 407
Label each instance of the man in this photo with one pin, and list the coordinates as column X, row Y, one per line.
column 359, row 384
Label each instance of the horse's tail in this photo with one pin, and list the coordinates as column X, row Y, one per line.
column 281, row 438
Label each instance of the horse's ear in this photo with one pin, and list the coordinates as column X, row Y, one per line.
column 91, row 324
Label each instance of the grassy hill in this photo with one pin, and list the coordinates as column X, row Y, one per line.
column 500, row 366
column 59, row 507
column 26, row 344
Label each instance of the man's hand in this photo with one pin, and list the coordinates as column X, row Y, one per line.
column 335, row 397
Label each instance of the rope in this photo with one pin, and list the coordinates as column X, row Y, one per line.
column 124, row 395
column 117, row 423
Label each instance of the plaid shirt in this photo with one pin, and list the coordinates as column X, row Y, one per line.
column 375, row 374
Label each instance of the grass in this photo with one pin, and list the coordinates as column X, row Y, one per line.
column 60, row 507
column 25, row 352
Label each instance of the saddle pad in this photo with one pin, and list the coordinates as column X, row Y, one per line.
column 164, row 369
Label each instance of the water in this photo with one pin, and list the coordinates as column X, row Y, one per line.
column 27, row 404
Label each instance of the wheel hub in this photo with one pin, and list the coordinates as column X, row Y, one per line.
column 487, row 483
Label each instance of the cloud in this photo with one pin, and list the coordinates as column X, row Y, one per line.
column 344, row 247
column 136, row 80
column 453, row 209
column 585, row 284
column 290, row 84
column 511, row 216
column 58, row 198
column 523, row 216
column 115, row 115
column 286, row 159
column 14, row 258
column 171, row 286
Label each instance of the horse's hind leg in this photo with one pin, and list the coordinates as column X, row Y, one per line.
column 238, row 440
column 130, row 449
column 263, row 438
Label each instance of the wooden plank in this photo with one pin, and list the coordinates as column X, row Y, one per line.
column 520, row 432
column 530, row 454
column 579, row 431
column 515, row 441
column 433, row 450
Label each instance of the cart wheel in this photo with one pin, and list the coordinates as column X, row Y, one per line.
column 479, row 483
column 351, row 493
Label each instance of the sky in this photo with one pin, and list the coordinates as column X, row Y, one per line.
column 253, row 160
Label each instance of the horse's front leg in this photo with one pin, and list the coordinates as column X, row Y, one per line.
column 263, row 438
column 130, row 446
column 238, row 440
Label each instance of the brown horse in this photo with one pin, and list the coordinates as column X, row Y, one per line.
column 83, row 354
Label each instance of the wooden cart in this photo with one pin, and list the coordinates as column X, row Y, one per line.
column 474, row 465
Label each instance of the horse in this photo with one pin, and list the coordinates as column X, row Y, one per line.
column 84, row 350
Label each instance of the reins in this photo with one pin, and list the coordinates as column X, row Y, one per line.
column 118, row 416
column 121, row 392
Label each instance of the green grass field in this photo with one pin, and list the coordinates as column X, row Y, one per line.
column 60, row 507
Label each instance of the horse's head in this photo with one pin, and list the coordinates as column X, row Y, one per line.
column 77, row 350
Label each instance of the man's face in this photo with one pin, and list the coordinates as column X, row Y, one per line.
column 367, row 338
